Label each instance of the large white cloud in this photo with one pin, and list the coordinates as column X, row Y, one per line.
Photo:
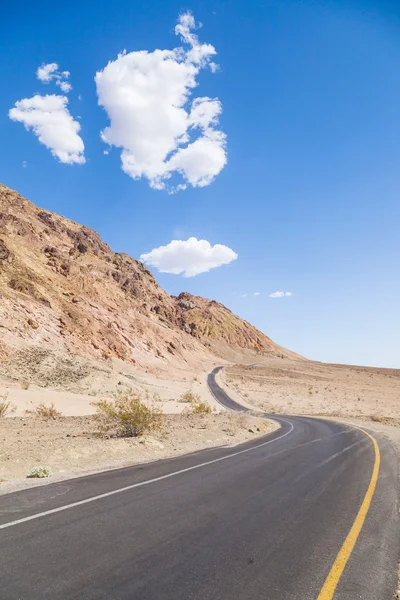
column 189, row 257
column 161, row 132
column 52, row 123
column 49, row 72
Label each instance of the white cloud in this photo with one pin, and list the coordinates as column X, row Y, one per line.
column 65, row 86
column 256, row 293
column 52, row 123
column 24, row 164
column 189, row 257
column 161, row 131
column 49, row 72
column 280, row 294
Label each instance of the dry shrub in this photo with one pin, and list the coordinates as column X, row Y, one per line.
column 39, row 472
column 199, row 407
column 188, row 397
column 127, row 415
column 48, row 411
column 6, row 407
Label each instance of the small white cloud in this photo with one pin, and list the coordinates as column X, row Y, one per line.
column 189, row 257
column 24, row 164
column 50, row 72
column 47, row 72
column 146, row 96
column 106, row 152
column 65, row 86
column 244, row 295
column 257, row 293
column 280, row 294
column 52, row 123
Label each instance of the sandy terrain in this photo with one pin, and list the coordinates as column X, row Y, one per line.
column 72, row 447
column 75, row 397
column 312, row 388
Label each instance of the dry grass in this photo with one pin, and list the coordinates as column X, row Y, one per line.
column 47, row 411
column 6, row 407
column 200, row 407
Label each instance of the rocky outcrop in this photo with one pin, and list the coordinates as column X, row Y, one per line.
column 63, row 289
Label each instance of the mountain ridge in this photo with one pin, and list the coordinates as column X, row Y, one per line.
column 64, row 290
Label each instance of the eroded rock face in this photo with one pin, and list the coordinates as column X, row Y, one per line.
column 204, row 319
column 63, row 289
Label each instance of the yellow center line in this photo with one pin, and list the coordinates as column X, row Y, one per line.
column 345, row 551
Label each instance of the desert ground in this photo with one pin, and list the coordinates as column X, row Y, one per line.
column 71, row 446
column 313, row 388
column 362, row 396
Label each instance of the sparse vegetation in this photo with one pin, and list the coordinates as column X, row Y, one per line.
column 6, row 407
column 25, row 385
column 47, row 411
column 127, row 415
column 197, row 405
column 188, row 397
column 200, row 407
column 39, row 473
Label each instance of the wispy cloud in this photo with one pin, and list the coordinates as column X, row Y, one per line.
column 257, row 293
column 280, row 294
column 189, row 257
column 147, row 98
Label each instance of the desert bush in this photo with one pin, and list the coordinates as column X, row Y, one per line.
column 127, row 415
column 199, row 407
column 48, row 411
column 188, row 397
column 6, row 407
column 39, row 473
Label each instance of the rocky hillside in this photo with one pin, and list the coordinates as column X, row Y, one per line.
column 63, row 291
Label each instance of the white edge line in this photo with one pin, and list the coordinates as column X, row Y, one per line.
column 140, row 484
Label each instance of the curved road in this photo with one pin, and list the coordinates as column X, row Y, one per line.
column 265, row 520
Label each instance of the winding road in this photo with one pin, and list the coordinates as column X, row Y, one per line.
column 309, row 512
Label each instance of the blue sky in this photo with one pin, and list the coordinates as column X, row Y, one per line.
column 309, row 197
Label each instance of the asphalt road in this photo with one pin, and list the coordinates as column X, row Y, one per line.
column 262, row 521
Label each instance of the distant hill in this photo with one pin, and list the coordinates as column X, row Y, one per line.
column 64, row 291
